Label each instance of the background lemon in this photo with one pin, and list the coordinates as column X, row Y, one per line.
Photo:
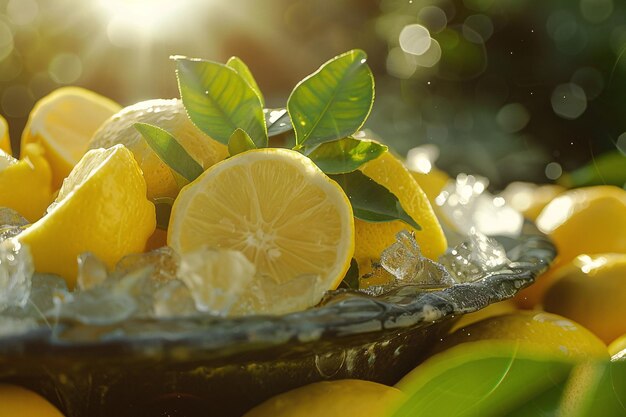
column 63, row 123
column 492, row 310
column 590, row 220
column 5, row 140
column 618, row 345
column 169, row 115
column 592, row 291
column 530, row 199
column 545, row 333
column 16, row 401
column 332, row 399
column 281, row 211
column 101, row 208
column 372, row 238
column 26, row 185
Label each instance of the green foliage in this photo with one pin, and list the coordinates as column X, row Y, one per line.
column 278, row 121
column 218, row 100
column 239, row 142
column 608, row 168
column 371, row 201
column 242, row 69
column 345, row 155
column 170, row 151
column 334, row 101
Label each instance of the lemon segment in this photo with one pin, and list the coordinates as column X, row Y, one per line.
column 372, row 238
column 101, row 208
column 63, row 122
column 332, row 399
column 277, row 208
column 169, row 115
column 5, row 140
column 25, row 185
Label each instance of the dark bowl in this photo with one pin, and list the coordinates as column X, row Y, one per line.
column 214, row 366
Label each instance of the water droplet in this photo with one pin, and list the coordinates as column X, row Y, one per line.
column 328, row 364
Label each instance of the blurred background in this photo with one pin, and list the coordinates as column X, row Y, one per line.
column 509, row 89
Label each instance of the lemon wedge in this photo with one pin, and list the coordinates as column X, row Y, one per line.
column 101, row 208
column 5, row 140
column 25, row 185
column 63, row 122
column 280, row 210
column 372, row 238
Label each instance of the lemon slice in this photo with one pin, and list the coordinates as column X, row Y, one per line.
column 101, row 208
column 277, row 208
column 5, row 140
column 63, row 122
column 25, row 185
column 171, row 116
column 372, row 238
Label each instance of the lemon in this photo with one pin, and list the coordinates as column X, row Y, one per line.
column 589, row 221
column 372, row 238
column 63, row 122
column 332, row 399
column 276, row 207
column 618, row 345
column 17, row 401
column 492, row 310
column 586, row 221
column 545, row 333
column 26, row 185
column 592, row 291
column 101, row 208
column 171, row 116
column 5, row 140
column 432, row 182
column 530, row 199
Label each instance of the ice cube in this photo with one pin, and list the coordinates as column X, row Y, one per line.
column 404, row 260
column 16, row 271
column 465, row 204
column 98, row 305
column 174, row 299
column 11, row 223
column 40, row 305
column 163, row 261
column 91, row 271
column 471, row 260
column 217, row 278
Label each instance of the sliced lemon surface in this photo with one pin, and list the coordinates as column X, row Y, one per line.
column 63, row 122
column 169, row 115
column 5, row 140
column 277, row 208
column 25, row 185
column 372, row 238
column 101, row 208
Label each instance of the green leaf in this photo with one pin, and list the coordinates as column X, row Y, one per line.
column 218, row 100
column 242, row 69
column 345, row 155
column 484, row 379
column 351, row 280
column 334, row 101
column 170, row 151
column 163, row 207
column 278, row 121
column 371, row 201
column 608, row 168
column 239, row 142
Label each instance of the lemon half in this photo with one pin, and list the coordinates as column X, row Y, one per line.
column 277, row 208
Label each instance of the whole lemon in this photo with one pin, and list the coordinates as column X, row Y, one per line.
column 546, row 333
column 332, row 399
column 16, row 401
column 590, row 220
column 591, row 290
